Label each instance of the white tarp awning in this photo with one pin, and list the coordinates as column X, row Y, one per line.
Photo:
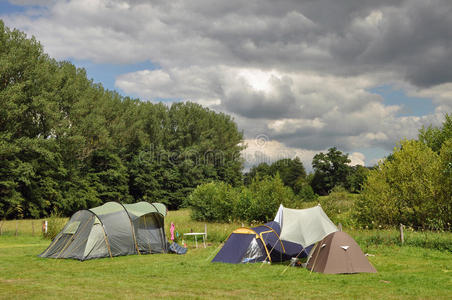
column 304, row 226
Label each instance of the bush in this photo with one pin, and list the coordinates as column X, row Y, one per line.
column 55, row 224
column 307, row 194
column 214, row 201
column 266, row 196
column 338, row 204
column 220, row 202
column 408, row 188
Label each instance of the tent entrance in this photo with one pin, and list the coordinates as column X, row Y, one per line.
column 253, row 253
column 149, row 235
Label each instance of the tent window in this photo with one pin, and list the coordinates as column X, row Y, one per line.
column 72, row 227
column 253, row 252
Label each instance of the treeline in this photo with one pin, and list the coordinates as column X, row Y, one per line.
column 66, row 143
column 285, row 181
column 331, row 169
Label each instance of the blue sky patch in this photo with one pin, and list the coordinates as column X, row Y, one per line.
column 8, row 8
column 107, row 73
column 411, row 106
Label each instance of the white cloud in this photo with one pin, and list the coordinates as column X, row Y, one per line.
column 301, row 110
column 357, row 158
column 300, row 71
column 263, row 150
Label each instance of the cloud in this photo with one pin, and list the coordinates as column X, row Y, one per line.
column 263, row 150
column 410, row 38
column 300, row 72
column 301, row 110
column 357, row 158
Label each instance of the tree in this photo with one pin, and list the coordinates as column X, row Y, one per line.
column 66, row 143
column 408, row 189
column 262, row 169
column 356, row 178
column 434, row 137
column 330, row 170
column 291, row 172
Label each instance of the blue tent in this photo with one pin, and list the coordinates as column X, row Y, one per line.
column 257, row 244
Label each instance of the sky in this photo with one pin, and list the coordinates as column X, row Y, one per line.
column 298, row 76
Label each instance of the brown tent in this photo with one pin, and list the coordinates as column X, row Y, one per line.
column 339, row 253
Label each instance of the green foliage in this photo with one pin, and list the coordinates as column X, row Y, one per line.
column 66, row 143
column 337, row 205
column 55, row 223
column 306, row 193
column 407, row 189
column 356, row 178
column 218, row 201
column 441, row 241
column 213, row 201
column 266, row 196
column 434, row 137
column 443, row 208
column 291, row 172
column 330, row 170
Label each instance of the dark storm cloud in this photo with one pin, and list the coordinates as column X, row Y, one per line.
column 411, row 38
column 308, row 64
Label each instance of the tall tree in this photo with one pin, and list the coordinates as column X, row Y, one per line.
column 66, row 143
column 434, row 137
column 330, row 169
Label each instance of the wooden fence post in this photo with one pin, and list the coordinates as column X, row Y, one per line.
column 16, row 227
column 32, row 228
column 1, row 226
column 402, row 240
column 339, row 226
column 205, row 229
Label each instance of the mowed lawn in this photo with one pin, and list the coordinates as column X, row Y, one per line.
column 403, row 272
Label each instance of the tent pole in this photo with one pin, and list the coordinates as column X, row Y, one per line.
column 146, row 226
column 302, row 249
column 71, row 239
column 277, row 236
column 81, row 244
column 57, row 238
column 214, row 251
column 132, row 227
column 265, row 247
column 106, row 240
column 270, row 252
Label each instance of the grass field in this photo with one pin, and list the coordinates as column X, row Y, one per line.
column 403, row 272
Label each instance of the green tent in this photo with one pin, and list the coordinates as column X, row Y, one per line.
column 112, row 229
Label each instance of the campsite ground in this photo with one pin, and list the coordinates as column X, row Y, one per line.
column 403, row 272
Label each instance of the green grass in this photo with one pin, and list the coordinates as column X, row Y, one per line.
column 216, row 232
column 403, row 272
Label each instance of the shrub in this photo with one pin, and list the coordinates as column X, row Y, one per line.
column 55, row 224
column 406, row 189
column 307, row 194
column 220, row 202
column 213, row 201
column 266, row 196
column 337, row 205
